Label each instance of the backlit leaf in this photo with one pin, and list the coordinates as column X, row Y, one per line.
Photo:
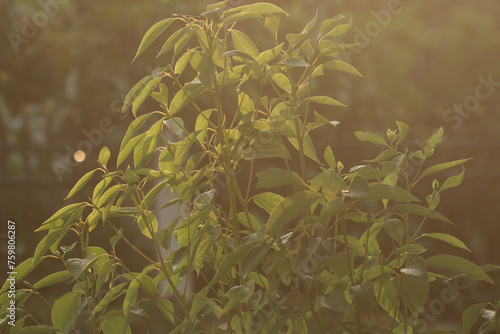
column 152, row 34
column 64, row 310
column 289, row 209
column 339, row 65
column 459, row 264
column 276, row 177
column 267, row 200
column 369, row 137
column 81, row 183
column 104, row 156
column 52, row 279
column 453, row 181
column 470, row 316
column 448, row 239
column 244, row 43
column 326, row 100
column 441, row 167
column 44, row 246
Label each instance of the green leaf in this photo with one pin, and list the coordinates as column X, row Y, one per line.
column 176, row 125
column 395, row 193
column 22, row 270
column 290, row 208
column 204, row 200
column 334, row 301
column 173, row 40
column 433, row 141
column 245, row 103
column 153, row 193
column 340, row 30
column 441, row 167
column 162, row 95
column 252, row 259
column 448, row 239
column 133, row 128
column 329, row 157
column 415, row 286
column 44, row 246
column 329, row 181
column 358, row 188
column 244, row 43
column 230, row 261
column 308, row 145
column 295, row 39
column 339, row 65
column 112, row 294
column 182, row 62
column 267, row 149
column 52, row 279
column 272, row 23
column 403, row 329
column 78, row 266
column 167, row 308
column 202, row 246
column 130, row 176
column 387, row 294
column 145, row 93
column 262, row 8
column 145, row 149
column 352, row 243
column 418, row 210
column 129, row 147
column 163, row 237
column 114, row 240
column 153, row 34
column 403, row 131
column 131, row 294
column 269, row 55
column 326, row 100
column 134, row 92
column 62, row 212
column 331, row 208
column 237, row 53
column 282, row 81
column 267, row 200
column 470, row 316
column 201, row 125
column 116, row 325
column 395, row 229
column 64, row 310
column 453, row 181
column 277, row 177
column 459, row 264
column 370, row 137
column 104, row 156
column 328, row 24
column 81, row 183
column 185, row 96
column 295, row 62
column 108, row 196
column 213, row 15
column 38, row 330
column 146, row 224
column 238, row 17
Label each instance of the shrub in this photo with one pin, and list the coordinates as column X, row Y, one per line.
column 281, row 247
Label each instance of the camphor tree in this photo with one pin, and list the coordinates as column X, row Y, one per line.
column 284, row 252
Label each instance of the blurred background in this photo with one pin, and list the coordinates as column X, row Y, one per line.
column 65, row 69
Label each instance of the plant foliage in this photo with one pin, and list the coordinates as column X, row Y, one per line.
column 316, row 249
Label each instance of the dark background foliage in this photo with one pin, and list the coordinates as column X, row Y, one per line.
column 420, row 63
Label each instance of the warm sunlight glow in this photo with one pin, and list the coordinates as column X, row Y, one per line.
column 79, row 156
